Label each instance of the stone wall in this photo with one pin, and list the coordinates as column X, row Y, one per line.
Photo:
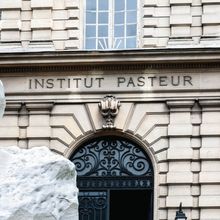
column 181, row 138
column 58, row 24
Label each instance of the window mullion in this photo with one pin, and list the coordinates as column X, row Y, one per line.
column 111, row 23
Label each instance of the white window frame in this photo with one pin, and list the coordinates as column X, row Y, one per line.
column 111, row 22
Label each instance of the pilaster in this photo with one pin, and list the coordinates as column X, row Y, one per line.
column 209, row 200
column 180, row 178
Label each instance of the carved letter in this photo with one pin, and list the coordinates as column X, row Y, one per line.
column 121, row 80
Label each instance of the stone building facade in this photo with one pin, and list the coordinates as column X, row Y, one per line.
column 168, row 88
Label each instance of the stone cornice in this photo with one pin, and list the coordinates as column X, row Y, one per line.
column 109, row 60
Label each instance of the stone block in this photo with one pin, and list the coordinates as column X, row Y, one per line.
column 57, row 146
column 41, row 35
column 73, row 34
column 195, row 166
column 210, row 189
column 9, row 142
column 162, row 12
column 60, row 15
column 62, row 135
column 162, row 32
column 195, row 142
column 26, row 26
column 41, row 23
column 195, row 190
column 179, row 178
column 209, row 214
column 160, row 145
column 181, row 19
column 10, row 36
column 179, row 142
column 59, row 4
column 41, row 4
column 180, row 9
column 211, row 117
column 26, row 36
column 72, row 3
column 211, row 8
column 74, row 44
column 9, row 132
column 209, row 177
column 209, row 1
column 38, row 143
column 59, row 45
column 10, row 15
column 180, row 130
column 26, row 16
column 39, row 120
column 196, row 11
column 180, row 31
column 68, row 123
column 180, row 166
column 58, row 25
column 73, row 13
column 211, row 30
column 10, row 25
column 179, row 190
column 210, row 142
column 59, row 35
column 210, row 153
column 210, row 129
column 179, row 153
column 10, row 4
column 163, row 191
column 174, row 201
column 155, row 134
column 149, row 22
column 42, row 14
column 180, row 2
column 210, row 19
column 211, row 165
column 26, row 6
column 148, row 3
column 38, row 132
column 72, row 24
column 79, row 113
column 209, row 201
column 8, row 121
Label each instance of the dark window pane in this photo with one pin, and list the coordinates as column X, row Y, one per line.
column 90, row 17
column 131, row 30
column 119, row 5
column 131, row 4
column 90, row 30
column 119, row 31
column 103, row 31
column 91, row 43
column 119, row 18
column 103, row 18
column 131, row 42
column 90, row 4
column 131, row 17
column 103, row 5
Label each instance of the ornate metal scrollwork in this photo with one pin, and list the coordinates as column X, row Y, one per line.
column 109, row 108
column 111, row 157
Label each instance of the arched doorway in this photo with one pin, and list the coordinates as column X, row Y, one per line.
column 115, row 180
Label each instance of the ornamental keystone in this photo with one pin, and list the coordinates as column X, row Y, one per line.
column 109, row 107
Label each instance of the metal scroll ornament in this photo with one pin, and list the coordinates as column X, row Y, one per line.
column 109, row 107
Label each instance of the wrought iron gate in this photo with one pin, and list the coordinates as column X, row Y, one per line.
column 107, row 164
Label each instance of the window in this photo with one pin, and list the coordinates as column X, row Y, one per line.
column 110, row 24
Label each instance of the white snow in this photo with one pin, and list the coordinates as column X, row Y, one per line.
column 37, row 184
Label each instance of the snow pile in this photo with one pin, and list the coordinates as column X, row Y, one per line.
column 37, row 184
